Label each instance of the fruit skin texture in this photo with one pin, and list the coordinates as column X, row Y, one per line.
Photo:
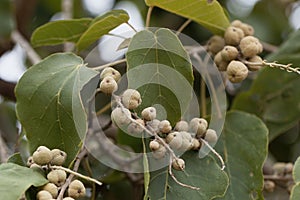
column 131, row 98
column 154, row 145
column 247, row 29
column 174, row 140
column 198, row 126
column 58, row 157
column 108, row 85
column 68, row 198
column 149, row 113
column 135, row 128
column 57, row 176
column 255, row 59
column 229, row 53
column 211, row 136
column 42, row 156
column 52, row 189
column 178, row 164
column 43, row 195
column 220, row 62
column 215, row 44
column 165, row 126
column 76, row 189
column 250, row 46
column 237, row 71
column 121, row 116
column 181, row 126
column 109, row 71
column 233, row 35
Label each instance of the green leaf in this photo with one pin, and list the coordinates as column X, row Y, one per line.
column 15, row 180
column 6, row 19
column 203, row 173
column 243, row 144
column 159, row 67
column 295, row 194
column 101, row 26
column 209, row 14
column 61, row 31
column 296, row 171
column 275, row 94
column 146, row 170
column 16, row 159
column 49, row 103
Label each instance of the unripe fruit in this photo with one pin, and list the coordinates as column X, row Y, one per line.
column 76, row 189
column 131, row 99
column 121, row 116
column 187, row 141
column 181, row 126
column 246, row 28
column 52, row 189
column 43, row 195
column 178, row 164
column 215, row 44
column 255, row 59
column 57, row 176
column 154, row 125
column 160, row 152
column 29, row 161
column 269, row 186
column 237, row 71
column 211, row 136
column 108, row 85
column 233, row 36
column 154, row 145
column 289, row 168
column 149, row 113
column 250, row 46
column 165, row 126
column 220, row 62
column 58, row 157
column 135, row 127
column 229, row 53
column 236, row 23
column 196, row 144
column 198, row 126
column 279, row 168
column 42, row 156
column 109, row 71
column 174, row 140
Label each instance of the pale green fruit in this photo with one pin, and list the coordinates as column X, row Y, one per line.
column 42, row 156
column 52, row 189
column 198, row 126
column 181, row 126
column 109, row 71
column 76, row 189
column 121, row 116
column 211, row 136
column 131, row 98
column 233, row 35
column 58, row 157
column 237, row 71
column 43, row 195
column 178, row 164
column 108, row 85
column 149, row 113
column 57, row 176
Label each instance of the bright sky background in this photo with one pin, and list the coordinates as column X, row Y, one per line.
column 12, row 63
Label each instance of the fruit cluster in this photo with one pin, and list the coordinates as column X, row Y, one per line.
column 43, row 158
column 237, row 45
column 109, row 78
column 184, row 136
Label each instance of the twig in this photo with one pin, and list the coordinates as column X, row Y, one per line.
column 67, row 13
column 150, row 9
column 269, row 47
column 3, row 150
column 101, row 67
column 115, row 35
column 104, row 109
column 178, row 182
column 203, row 97
column 215, row 152
column 32, row 55
column 131, row 27
column 77, row 174
column 183, row 26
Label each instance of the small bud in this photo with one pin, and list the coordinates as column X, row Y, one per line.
column 149, row 113
column 109, row 71
column 108, row 85
column 237, row 71
column 131, row 99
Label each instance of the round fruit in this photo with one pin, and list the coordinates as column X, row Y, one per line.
column 57, row 176
column 174, row 140
column 131, row 98
column 215, row 44
column 108, row 85
column 42, row 156
column 211, row 136
column 43, row 195
column 187, row 141
column 178, row 164
column 220, row 62
column 153, row 125
column 181, row 126
column 269, row 186
column 229, row 53
column 52, row 189
column 233, row 35
column 165, row 126
column 29, row 161
column 135, row 127
column 250, row 46
column 236, row 71
column 196, row 144
column 121, row 116
column 58, row 157
column 154, row 145
column 198, row 126
column 160, row 152
column 246, row 28
column 149, row 113
column 76, row 189
column 109, row 71
column 255, row 59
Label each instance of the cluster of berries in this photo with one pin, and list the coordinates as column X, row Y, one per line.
column 42, row 158
column 237, row 45
column 184, row 136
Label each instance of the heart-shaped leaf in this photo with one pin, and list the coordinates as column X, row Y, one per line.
column 209, row 14
column 295, row 193
column 15, row 180
column 159, row 67
column 243, row 144
column 49, row 103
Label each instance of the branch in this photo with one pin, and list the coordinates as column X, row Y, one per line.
column 19, row 39
column 7, row 90
column 183, row 26
column 150, row 9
